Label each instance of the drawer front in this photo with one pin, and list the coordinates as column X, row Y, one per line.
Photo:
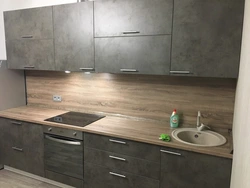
column 122, row 146
column 122, row 162
column 97, row 176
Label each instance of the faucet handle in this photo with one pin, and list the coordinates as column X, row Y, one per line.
column 202, row 127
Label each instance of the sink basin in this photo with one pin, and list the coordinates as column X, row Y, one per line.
column 193, row 137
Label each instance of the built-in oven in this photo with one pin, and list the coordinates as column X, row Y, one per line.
column 63, row 155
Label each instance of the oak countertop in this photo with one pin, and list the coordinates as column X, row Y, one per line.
column 127, row 128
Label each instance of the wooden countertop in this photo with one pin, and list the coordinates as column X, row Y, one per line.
column 132, row 129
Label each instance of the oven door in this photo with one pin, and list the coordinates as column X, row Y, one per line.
column 63, row 156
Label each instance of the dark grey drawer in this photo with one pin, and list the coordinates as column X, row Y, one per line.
column 123, row 162
column 122, row 146
column 97, row 176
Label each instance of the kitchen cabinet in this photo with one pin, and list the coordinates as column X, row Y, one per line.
column 29, row 39
column 143, row 55
column 129, row 17
column 114, row 162
column 73, row 36
column 184, row 169
column 22, row 146
column 206, row 38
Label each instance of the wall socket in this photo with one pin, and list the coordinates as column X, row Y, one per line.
column 57, row 98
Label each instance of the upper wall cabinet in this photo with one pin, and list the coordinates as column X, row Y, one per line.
column 73, row 35
column 29, row 38
column 143, row 55
column 133, row 17
column 207, row 37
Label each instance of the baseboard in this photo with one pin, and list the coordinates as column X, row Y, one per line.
column 36, row 177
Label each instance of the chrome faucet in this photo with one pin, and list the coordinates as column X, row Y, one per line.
column 200, row 126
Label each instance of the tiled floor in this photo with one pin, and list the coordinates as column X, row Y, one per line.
column 10, row 179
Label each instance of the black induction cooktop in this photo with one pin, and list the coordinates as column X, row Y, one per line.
column 75, row 118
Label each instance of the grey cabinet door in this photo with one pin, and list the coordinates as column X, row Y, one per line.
column 144, row 54
column 35, row 23
column 130, row 17
column 22, row 146
column 194, row 170
column 73, row 31
column 207, row 37
column 30, row 54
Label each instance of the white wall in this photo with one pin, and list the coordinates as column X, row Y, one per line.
column 241, row 125
column 20, row 4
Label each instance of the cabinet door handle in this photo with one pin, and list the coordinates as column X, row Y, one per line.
column 118, row 175
column 180, row 72
column 130, row 32
column 29, row 67
column 117, row 158
column 16, row 123
column 129, row 70
column 170, row 152
column 17, row 149
column 27, row 36
column 87, row 69
column 117, row 141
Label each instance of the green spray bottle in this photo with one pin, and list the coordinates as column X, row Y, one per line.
column 174, row 120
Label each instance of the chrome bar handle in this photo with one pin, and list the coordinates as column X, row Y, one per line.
column 117, row 141
column 63, row 141
column 180, row 72
column 17, row 149
column 117, row 158
column 27, row 36
column 118, row 175
column 16, row 123
column 29, row 67
column 170, row 152
column 130, row 32
column 87, row 69
column 129, row 70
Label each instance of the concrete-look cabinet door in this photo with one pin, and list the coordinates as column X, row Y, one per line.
column 30, row 54
column 35, row 23
column 130, row 17
column 73, row 31
column 22, row 146
column 184, row 169
column 207, row 37
column 142, row 54
column 29, row 39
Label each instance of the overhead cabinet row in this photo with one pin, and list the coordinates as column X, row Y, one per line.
column 190, row 37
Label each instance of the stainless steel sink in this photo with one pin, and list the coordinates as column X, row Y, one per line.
column 192, row 136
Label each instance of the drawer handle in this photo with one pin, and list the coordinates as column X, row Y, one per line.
column 180, row 72
column 130, row 32
column 170, row 152
column 27, row 36
column 16, row 123
column 117, row 158
column 129, row 70
column 117, row 141
column 87, row 69
column 29, row 67
column 118, row 175
column 17, row 149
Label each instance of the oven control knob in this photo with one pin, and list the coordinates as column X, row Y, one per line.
column 49, row 129
column 74, row 133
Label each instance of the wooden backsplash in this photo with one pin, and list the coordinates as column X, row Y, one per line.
column 142, row 96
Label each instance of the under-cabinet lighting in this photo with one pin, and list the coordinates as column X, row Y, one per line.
column 67, row 72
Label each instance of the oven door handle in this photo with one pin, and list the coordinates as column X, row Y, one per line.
column 63, row 141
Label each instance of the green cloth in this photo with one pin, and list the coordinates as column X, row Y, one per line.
column 165, row 137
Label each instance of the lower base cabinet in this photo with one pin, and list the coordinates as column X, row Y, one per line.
column 22, row 146
column 96, row 176
column 184, row 169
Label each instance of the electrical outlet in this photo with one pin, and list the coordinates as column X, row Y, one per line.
column 57, row 98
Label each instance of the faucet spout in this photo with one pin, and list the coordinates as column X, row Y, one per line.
column 198, row 119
